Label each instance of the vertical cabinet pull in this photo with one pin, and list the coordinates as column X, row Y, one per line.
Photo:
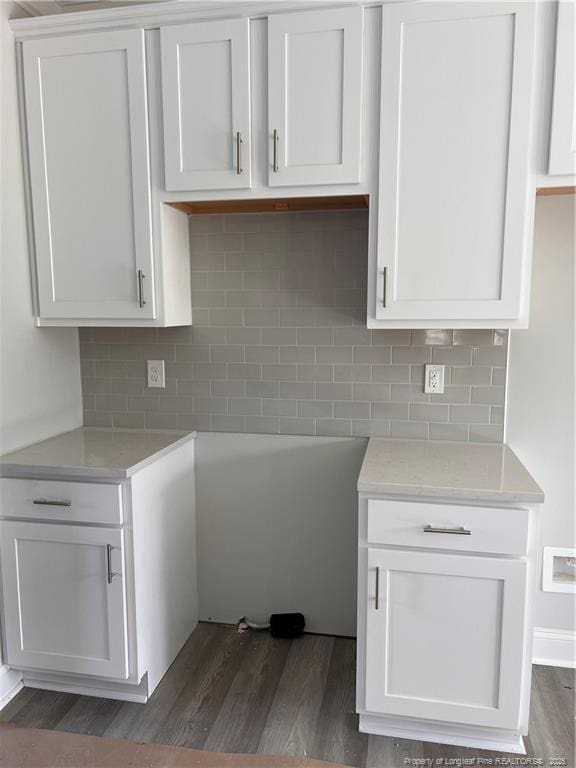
column 109, row 562
column 238, row 152
column 141, row 276
column 109, row 572
column 377, row 598
column 275, row 140
column 384, row 276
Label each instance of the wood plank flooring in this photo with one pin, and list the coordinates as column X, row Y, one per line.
column 230, row 692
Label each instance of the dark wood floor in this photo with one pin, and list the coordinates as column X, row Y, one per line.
column 250, row 693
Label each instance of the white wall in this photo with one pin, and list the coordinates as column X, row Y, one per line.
column 541, row 390
column 277, row 528
column 40, row 368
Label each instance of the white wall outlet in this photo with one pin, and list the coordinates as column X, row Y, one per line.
column 558, row 569
column 434, row 379
column 156, row 377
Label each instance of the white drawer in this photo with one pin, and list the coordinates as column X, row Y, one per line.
column 56, row 500
column 501, row 531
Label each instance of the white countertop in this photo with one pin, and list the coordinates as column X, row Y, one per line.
column 436, row 469
column 90, row 452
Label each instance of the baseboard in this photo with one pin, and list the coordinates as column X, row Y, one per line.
column 10, row 684
column 554, row 647
column 50, row 681
column 455, row 734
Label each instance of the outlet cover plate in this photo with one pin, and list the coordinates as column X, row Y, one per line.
column 434, row 379
column 156, row 375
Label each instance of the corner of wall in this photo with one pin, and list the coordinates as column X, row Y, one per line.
column 41, row 392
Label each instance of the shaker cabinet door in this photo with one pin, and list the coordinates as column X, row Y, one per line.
column 86, row 119
column 444, row 636
column 206, row 102
column 453, row 234
column 562, row 158
column 64, row 598
column 315, row 97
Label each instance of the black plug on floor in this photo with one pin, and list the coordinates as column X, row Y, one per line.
column 287, row 624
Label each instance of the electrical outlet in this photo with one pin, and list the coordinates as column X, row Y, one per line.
column 156, row 377
column 434, row 379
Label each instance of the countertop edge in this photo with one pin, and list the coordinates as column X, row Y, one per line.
column 114, row 474
column 461, row 494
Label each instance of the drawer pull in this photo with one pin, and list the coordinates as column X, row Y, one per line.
column 377, row 599
column 459, row 531
column 56, row 503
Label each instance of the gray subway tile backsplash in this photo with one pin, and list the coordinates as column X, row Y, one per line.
column 280, row 345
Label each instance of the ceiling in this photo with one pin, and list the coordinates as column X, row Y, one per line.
column 50, row 7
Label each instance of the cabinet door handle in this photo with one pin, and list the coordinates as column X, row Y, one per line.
column 459, row 531
column 109, row 572
column 238, row 152
column 53, row 503
column 384, row 276
column 275, row 139
column 141, row 276
column 377, row 598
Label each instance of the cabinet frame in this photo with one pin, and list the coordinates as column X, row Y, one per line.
column 516, row 240
column 348, row 171
column 562, row 156
column 435, row 729
column 132, row 42
column 237, row 31
column 116, row 666
column 512, row 572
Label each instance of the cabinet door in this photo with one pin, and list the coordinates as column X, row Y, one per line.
column 454, row 149
column 206, row 95
column 64, row 598
column 315, row 97
column 445, row 636
column 88, row 147
column 562, row 158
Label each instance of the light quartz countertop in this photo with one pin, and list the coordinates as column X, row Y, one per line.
column 92, row 453
column 435, row 469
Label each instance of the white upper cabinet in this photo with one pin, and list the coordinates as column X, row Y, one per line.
column 315, row 97
column 453, row 240
column 86, row 118
column 562, row 159
column 206, row 96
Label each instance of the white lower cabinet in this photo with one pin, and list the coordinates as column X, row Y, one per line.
column 65, row 598
column 99, row 584
column 442, row 636
column 444, row 632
